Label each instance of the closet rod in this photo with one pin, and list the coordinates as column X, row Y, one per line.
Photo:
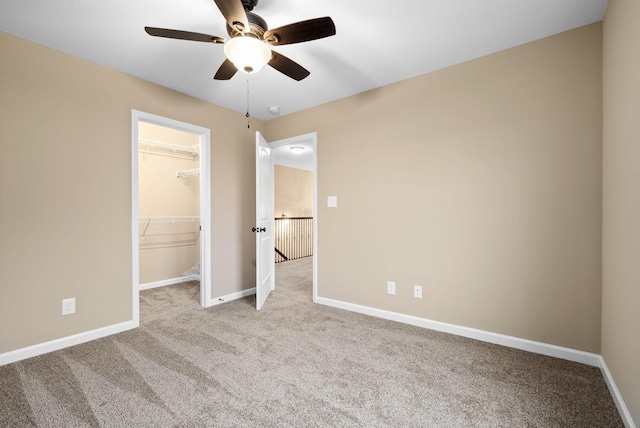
column 152, row 144
column 166, row 219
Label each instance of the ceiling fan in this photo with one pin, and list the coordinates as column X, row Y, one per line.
column 249, row 46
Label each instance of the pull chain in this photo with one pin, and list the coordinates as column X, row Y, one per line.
column 248, row 115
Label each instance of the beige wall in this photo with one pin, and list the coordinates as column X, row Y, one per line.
column 480, row 182
column 293, row 193
column 65, row 191
column 167, row 249
column 621, row 200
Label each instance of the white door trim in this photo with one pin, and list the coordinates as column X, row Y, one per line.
column 292, row 141
column 205, row 206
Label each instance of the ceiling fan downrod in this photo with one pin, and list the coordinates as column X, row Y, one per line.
column 249, row 4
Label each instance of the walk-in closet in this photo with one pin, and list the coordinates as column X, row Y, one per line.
column 169, row 206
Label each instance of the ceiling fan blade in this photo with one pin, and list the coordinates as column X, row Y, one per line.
column 182, row 35
column 226, row 71
column 302, row 31
column 288, row 67
column 233, row 12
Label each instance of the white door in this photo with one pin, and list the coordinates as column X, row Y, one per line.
column 265, row 257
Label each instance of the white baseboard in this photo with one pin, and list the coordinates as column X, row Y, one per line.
column 575, row 355
column 65, row 342
column 76, row 339
column 617, row 397
column 482, row 335
column 229, row 297
column 170, row 281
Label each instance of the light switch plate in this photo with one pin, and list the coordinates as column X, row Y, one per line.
column 332, row 201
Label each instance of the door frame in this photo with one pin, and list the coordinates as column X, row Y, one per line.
column 205, row 206
column 292, row 141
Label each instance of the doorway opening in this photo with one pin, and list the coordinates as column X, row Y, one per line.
column 171, row 206
column 295, row 207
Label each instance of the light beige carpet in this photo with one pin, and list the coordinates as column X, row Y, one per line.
column 294, row 364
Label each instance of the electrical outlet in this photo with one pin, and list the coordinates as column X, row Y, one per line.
column 391, row 288
column 69, row 306
column 417, row 291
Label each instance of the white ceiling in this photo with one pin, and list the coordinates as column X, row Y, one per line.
column 283, row 155
column 378, row 42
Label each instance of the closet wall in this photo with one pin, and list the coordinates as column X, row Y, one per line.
column 169, row 240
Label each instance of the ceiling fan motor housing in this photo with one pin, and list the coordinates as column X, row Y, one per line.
column 257, row 27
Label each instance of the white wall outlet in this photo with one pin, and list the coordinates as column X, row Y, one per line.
column 69, row 306
column 417, row 291
column 391, row 288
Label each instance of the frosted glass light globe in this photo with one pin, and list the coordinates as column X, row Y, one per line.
column 247, row 53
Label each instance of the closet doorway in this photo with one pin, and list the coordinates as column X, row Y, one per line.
column 171, row 207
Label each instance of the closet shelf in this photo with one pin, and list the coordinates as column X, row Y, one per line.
column 187, row 172
column 175, row 148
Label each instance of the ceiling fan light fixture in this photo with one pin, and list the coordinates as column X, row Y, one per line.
column 247, row 53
